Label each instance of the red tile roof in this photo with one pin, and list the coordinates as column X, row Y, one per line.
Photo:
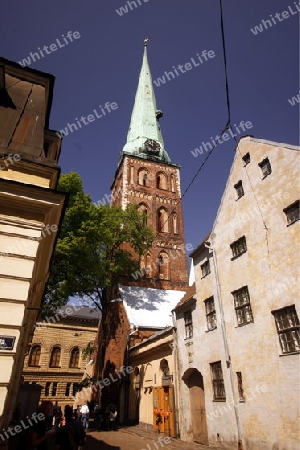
column 188, row 296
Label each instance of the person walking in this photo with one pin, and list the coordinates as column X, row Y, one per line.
column 71, row 435
column 84, row 410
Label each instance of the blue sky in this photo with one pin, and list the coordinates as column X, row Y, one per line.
column 104, row 63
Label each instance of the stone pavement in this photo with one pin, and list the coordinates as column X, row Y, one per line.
column 136, row 438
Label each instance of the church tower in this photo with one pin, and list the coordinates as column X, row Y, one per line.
column 147, row 176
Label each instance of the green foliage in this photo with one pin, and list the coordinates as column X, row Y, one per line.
column 97, row 246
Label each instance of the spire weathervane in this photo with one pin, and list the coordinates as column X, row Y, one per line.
column 146, row 40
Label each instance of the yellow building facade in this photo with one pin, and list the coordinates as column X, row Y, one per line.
column 30, row 215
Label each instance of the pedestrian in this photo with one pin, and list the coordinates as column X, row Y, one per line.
column 39, row 434
column 71, row 435
column 84, row 410
column 112, row 419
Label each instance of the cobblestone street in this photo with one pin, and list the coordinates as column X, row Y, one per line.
column 135, row 438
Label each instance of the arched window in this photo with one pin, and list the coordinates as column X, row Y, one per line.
column 142, row 177
column 131, row 173
column 143, row 208
column 74, row 358
column 173, row 188
column 175, row 224
column 148, row 265
column 35, row 355
column 55, row 357
column 164, row 266
column 162, row 221
column 161, row 181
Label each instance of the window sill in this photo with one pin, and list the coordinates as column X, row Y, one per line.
column 204, row 276
column 265, row 176
column 289, row 354
column 217, row 401
column 34, row 367
column 56, row 367
column 213, row 329
column 244, row 324
column 291, row 223
column 237, row 256
column 241, row 196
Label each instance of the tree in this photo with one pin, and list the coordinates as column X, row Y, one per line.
column 97, row 247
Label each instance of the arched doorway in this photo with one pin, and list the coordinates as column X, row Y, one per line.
column 194, row 381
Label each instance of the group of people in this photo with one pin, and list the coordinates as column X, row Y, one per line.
column 68, row 434
column 66, row 430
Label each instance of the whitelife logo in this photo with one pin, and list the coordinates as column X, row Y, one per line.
column 71, row 35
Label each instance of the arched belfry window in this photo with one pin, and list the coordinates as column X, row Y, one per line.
column 164, row 265
column 74, row 358
column 161, row 181
column 143, row 208
column 35, row 355
column 142, row 177
column 162, row 220
column 175, row 223
column 173, row 188
column 55, row 357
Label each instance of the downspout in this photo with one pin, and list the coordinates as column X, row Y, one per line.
column 207, row 244
column 127, row 378
column 176, row 381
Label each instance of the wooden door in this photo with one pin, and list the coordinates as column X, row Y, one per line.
column 197, row 407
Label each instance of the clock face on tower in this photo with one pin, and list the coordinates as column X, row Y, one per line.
column 152, row 146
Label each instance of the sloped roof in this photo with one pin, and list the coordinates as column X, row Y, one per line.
column 79, row 312
column 151, row 338
column 147, row 307
column 188, row 296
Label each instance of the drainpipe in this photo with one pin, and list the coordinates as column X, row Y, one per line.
column 207, row 244
column 176, row 375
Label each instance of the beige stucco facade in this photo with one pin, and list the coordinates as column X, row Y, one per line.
column 258, row 408
column 151, row 389
column 30, row 215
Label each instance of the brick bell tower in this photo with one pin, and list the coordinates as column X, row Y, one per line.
column 146, row 176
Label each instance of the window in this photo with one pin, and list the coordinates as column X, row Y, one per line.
column 239, row 189
column 55, row 357
column 238, row 247
column 240, row 386
column 54, row 389
column 174, row 220
column 210, row 314
column 75, row 389
column 35, row 355
column 142, row 177
column 173, row 189
column 287, row 324
column 68, row 388
column 164, row 266
column 242, row 306
column 143, row 209
column 292, row 212
column 161, row 181
column 74, row 359
column 188, row 324
column 205, row 269
column 265, row 167
column 162, row 221
column 217, row 382
column 47, row 388
column 246, row 159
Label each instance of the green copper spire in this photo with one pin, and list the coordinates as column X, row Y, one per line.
column 144, row 137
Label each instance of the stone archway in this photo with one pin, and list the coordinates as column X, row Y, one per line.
column 194, row 381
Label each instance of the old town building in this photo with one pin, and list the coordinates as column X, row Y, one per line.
column 59, row 357
column 30, row 214
column 239, row 388
column 146, row 176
